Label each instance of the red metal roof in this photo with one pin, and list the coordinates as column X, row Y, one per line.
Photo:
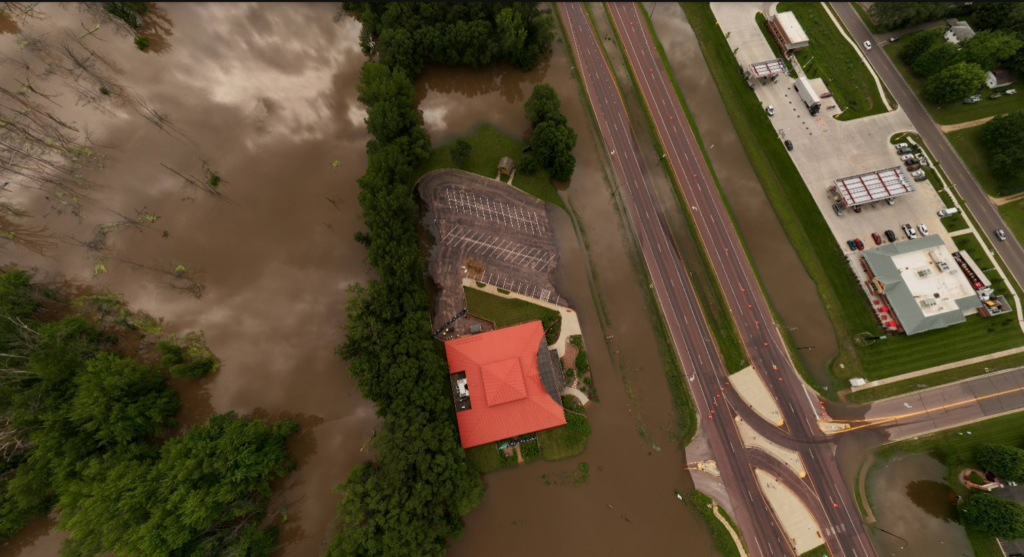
column 505, row 390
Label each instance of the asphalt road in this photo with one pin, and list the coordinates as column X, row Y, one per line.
column 977, row 201
column 691, row 337
column 747, row 303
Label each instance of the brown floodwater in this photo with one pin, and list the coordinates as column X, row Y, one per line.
column 264, row 96
column 792, row 292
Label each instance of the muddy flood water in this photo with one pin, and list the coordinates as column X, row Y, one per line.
column 264, row 96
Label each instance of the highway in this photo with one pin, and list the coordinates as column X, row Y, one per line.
column 978, row 202
column 833, row 507
column 747, row 303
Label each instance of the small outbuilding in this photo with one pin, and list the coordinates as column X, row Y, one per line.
column 998, row 78
column 506, row 166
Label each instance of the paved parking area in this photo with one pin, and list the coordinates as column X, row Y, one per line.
column 825, row 149
column 503, row 230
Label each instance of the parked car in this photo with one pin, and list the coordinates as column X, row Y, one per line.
column 972, row 100
column 908, row 158
column 770, row 110
column 858, row 209
column 867, row 45
column 901, row 145
column 789, row 145
column 909, row 231
column 890, row 200
column 895, row 38
column 949, row 211
column 1010, row 92
column 852, row 244
column 995, row 95
column 859, row 244
column 913, row 168
column 904, row 151
column 917, row 173
column 920, row 178
column 876, row 238
column 890, row 235
column 923, row 229
column 1001, row 234
column 922, row 161
column 838, row 209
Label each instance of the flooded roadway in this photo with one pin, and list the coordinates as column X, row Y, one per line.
column 265, row 95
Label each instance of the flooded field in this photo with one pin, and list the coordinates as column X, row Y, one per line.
column 263, row 96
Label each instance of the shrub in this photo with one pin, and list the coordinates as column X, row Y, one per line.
column 141, row 41
column 527, row 164
column 170, row 353
column 196, row 368
column 577, row 422
column 460, row 152
column 581, row 362
column 992, row 515
column 214, row 180
column 1006, row 462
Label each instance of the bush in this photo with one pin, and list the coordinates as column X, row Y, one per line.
column 527, row 164
column 141, row 41
column 170, row 353
column 992, row 515
column 460, row 152
column 1006, row 462
column 530, row 449
column 581, row 362
column 577, row 422
column 197, row 368
column 213, row 180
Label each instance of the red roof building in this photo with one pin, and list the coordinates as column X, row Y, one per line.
column 503, row 383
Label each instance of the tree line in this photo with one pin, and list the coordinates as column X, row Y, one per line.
column 409, row 500
column 553, row 139
column 897, row 15
column 86, row 430
column 955, row 72
column 408, row 36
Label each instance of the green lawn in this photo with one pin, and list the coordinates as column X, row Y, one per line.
column 561, row 442
column 821, row 550
column 836, row 62
column 935, row 379
column 976, row 337
column 489, row 145
column 794, row 205
column 957, row 113
column 484, row 458
column 1013, row 214
column 505, row 312
column 724, row 543
column 968, row 143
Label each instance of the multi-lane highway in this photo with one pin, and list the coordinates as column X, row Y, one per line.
column 748, row 304
column 831, row 505
column 977, row 201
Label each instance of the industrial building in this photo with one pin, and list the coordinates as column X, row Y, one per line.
column 504, row 384
column 871, row 187
column 922, row 286
column 787, row 32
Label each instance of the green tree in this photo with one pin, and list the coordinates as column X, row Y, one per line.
column 527, row 164
column 119, row 400
column 988, row 48
column 1000, row 15
column 205, row 494
column 543, row 104
column 1006, row 462
column 994, row 516
column 940, row 56
column 552, row 143
column 897, row 15
column 919, row 43
column 512, row 30
column 954, row 83
column 1003, row 138
column 460, row 152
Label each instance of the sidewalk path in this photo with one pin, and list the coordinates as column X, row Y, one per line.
column 937, row 369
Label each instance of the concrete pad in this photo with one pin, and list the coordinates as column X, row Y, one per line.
column 751, row 388
column 796, row 520
column 751, row 438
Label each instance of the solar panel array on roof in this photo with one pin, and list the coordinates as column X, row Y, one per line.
column 768, row 68
column 872, row 186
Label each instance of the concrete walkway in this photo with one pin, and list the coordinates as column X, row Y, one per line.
column 570, row 391
column 570, row 322
column 793, row 516
column 735, row 537
column 750, row 386
column 937, row 369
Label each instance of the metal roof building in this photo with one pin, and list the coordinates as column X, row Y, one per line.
column 768, row 68
column 787, row 31
column 923, row 289
column 872, row 186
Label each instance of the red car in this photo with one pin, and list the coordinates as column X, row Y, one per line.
column 876, row 238
column 860, row 245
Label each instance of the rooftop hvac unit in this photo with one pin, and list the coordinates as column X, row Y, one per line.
column 928, row 302
column 462, row 387
column 924, row 272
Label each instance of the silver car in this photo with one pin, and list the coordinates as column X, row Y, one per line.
column 1001, row 234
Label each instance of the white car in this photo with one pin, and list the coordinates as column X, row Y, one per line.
column 770, row 110
column 917, row 173
column 907, row 157
column 1001, row 234
column 923, row 229
column 901, row 146
column 909, row 231
column 867, row 45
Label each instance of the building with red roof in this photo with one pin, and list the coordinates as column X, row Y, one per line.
column 504, row 384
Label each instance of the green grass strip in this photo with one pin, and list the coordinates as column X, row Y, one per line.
column 723, row 541
column 935, row 379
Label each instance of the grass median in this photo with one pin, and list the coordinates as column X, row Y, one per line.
column 842, row 297
column 832, row 58
column 489, row 145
